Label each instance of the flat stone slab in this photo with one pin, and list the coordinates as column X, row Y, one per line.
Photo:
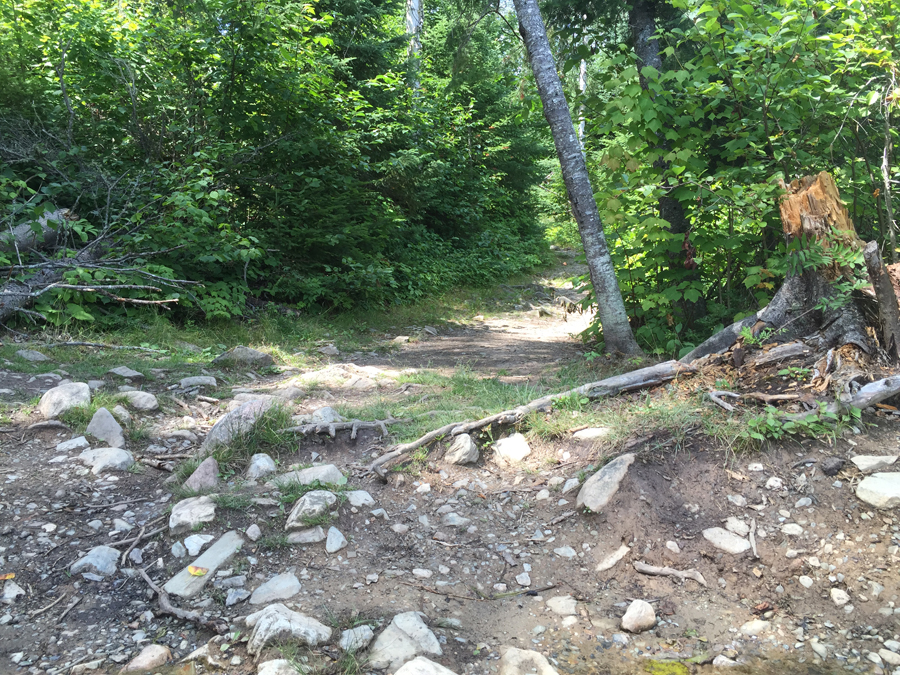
column 126, row 372
column 870, row 463
column 186, row 585
column 603, row 485
column 881, row 490
column 725, row 540
column 327, row 474
column 281, row 587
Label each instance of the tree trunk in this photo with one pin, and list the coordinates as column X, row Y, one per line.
column 810, row 207
column 888, row 311
column 413, row 28
column 610, row 307
column 642, row 20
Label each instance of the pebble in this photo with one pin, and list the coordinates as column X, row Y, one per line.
column 639, row 617
column 564, row 605
column 839, row 597
column 805, row 581
column 253, row 532
column 565, row 552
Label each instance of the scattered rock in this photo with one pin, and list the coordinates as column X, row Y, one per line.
column 774, row 483
column 253, row 532
column 282, row 587
column 236, row 595
column 188, row 513
column 276, row 667
column 151, row 657
column 73, row 444
column 870, row 463
column 406, row 637
column 329, row 350
column 126, row 372
column 515, row 661
column 592, row 434
column 570, row 485
column 512, row 448
column 237, row 423
column 805, row 581
column 335, row 541
column 32, row 355
column 462, row 451
column 360, row 498
column 610, row 561
column 422, row 666
column 187, row 585
column 564, row 605
column 311, row 535
column 198, row 381
column 454, row 520
column 178, row 550
column 881, row 490
column 523, row 579
column 738, row 526
column 726, row 541
column 261, row 465
column 244, row 356
column 639, row 617
column 722, row 661
column 602, row 486
column 11, row 591
column 277, row 622
column 310, row 505
column 64, row 397
column 99, row 560
column 839, row 597
column 831, row 465
column 205, row 476
column 792, row 529
column 889, row 657
column 122, row 415
column 754, row 627
column 565, row 552
column 107, row 459
column 356, row 639
column 142, row 400
column 195, row 543
column 326, row 474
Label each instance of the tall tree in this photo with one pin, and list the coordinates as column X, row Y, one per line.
column 610, row 307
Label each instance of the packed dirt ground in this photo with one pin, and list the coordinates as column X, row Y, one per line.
column 494, row 554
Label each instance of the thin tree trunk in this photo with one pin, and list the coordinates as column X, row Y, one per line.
column 582, row 87
column 886, row 172
column 610, row 307
column 413, row 28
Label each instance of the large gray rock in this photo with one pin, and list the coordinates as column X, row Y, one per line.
column 31, row 355
column 870, row 463
column 326, row 474
column 187, row 585
column 235, row 424
column 141, row 400
column 205, row 476
column 99, row 560
column 603, row 485
column 281, row 587
column 512, row 448
column 639, row 617
column 188, row 513
column 422, row 666
column 261, row 465
column 405, row 638
column 63, row 398
column 356, row 639
column 311, row 535
column 105, row 427
column 523, row 662
column 311, row 505
column 881, row 490
column 198, row 381
column 462, row 451
column 106, row 459
column 244, row 356
column 725, row 540
column 278, row 623
column 150, row 658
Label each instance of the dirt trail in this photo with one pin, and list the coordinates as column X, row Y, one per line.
column 482, row 549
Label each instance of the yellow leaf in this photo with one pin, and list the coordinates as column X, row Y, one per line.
column 197, row 571
column 8, row 575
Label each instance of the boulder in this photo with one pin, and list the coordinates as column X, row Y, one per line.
column 462, row 451
column 107, row 459
column 143, row 401
column 188, row 513
column 99, row 560
column 205, row 476
column 63, row 398
column 104, row 427
column 515, row 661
column 603, row 485
column 512, row 448
column 881, row 490
column 241, row 356
column 639, row 617
column 311, row 505
column 406, row 637
column 281, row 587
column 277, row 623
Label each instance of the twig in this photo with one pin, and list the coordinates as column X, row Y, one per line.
column 139, row 537
column 524, row 591
column 69, row 608
column 714, row 397
column 753, row 537
column 560, row 518
column 104, row 346
column 99, row 507
column 208, row 399
column 218, row 626
column 437, row 592
column 133, row 544
column 50, row 606
column 652, row 570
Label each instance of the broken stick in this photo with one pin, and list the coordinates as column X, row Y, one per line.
column 693, row 574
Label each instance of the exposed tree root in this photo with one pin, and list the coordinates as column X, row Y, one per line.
column 636, row 379
column 644, row 568
column 218, row 626
column 353, row 425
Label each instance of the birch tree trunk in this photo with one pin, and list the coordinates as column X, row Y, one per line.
column 582, row 87
column 610, row 307
column 413, row 28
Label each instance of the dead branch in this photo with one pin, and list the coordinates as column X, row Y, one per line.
column 102, row 346
column 644, row 568
column 353, row 425
column 69, row 608
column 715, row 397
column 53, row 604
column 636, row 379
column 48, row 424
column 218, row 626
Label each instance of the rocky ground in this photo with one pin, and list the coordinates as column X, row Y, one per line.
column 507, row 557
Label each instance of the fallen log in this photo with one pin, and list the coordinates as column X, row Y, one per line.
column 636, row 379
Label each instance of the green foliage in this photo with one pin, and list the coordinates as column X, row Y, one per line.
column 774, row 426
